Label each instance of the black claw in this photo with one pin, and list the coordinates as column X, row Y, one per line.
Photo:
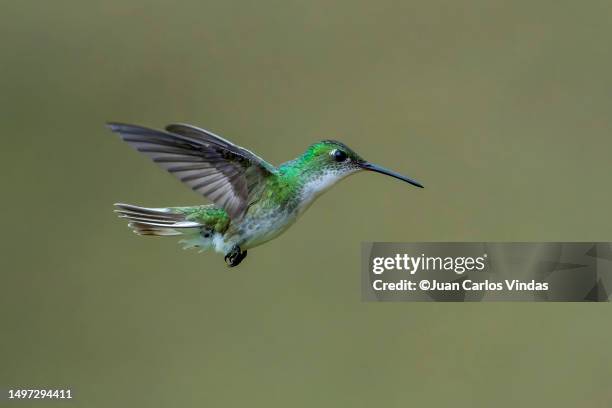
column 235, row 256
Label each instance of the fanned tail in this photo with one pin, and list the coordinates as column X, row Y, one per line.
column 195, row 224
column 156, row 221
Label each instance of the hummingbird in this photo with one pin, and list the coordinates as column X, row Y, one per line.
column 252, row 200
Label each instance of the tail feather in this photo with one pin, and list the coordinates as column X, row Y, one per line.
column 154, row 221
column 144, row 229
column 143, row 217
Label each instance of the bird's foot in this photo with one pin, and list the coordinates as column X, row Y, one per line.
column 235, row 256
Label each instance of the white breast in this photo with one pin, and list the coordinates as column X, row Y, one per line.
column 316, row 186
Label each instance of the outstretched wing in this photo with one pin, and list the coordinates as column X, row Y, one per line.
column 228, row 175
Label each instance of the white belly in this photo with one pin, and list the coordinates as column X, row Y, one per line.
column 257, row 230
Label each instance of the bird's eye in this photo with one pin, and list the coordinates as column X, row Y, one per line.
column 339, row 155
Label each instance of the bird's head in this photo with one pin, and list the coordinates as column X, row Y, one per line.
column 328, row 161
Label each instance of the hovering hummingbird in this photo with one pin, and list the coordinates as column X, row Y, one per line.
column 254, row 201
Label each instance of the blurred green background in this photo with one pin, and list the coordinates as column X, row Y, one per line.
column 501, row 108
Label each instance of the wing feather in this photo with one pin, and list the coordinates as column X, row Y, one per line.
column 227, row 174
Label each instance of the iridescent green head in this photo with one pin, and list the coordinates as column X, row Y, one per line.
column 331, row 156
column 334, row 160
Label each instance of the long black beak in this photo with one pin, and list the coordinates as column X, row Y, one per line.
column 382, row 170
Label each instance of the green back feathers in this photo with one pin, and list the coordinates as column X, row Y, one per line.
column 208, row 215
